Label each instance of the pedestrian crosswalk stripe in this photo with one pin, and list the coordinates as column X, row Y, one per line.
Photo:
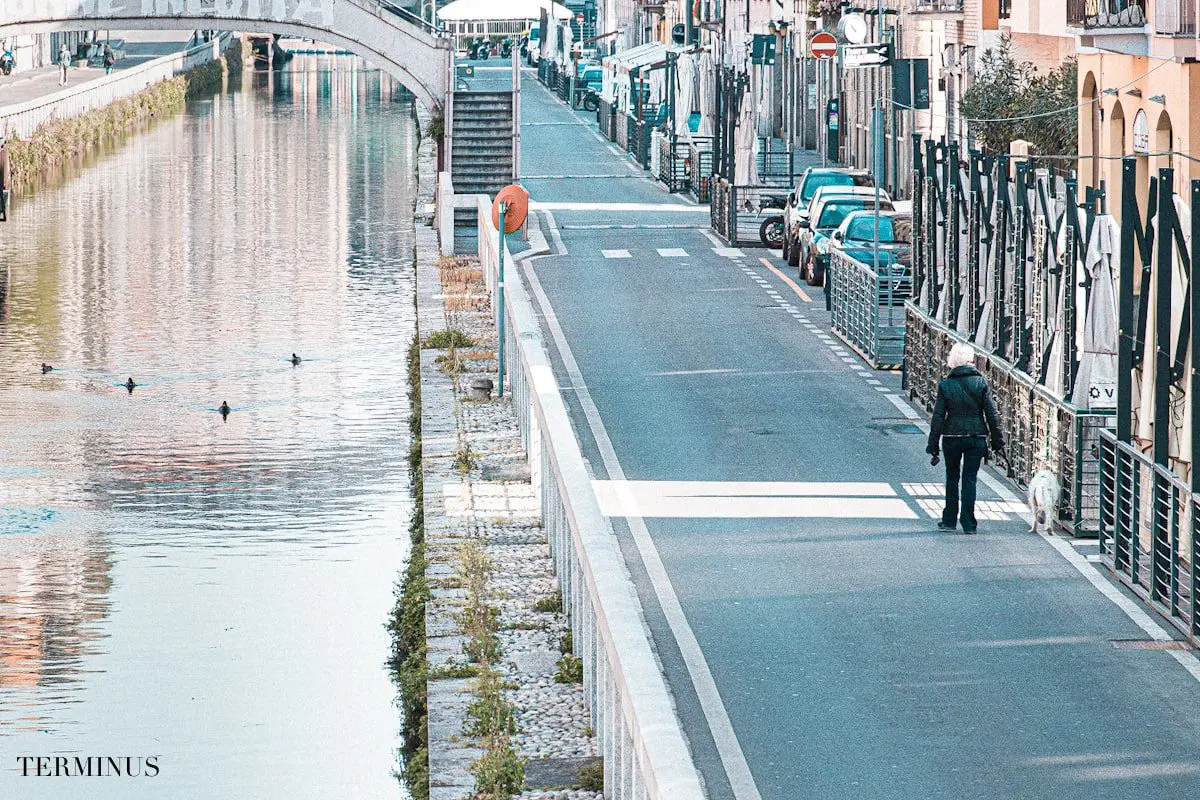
column 729, row 252
column 750, row 499
column 616, row 254
column 672, row 252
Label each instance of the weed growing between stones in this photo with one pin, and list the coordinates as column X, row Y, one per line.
column 549, row 605
column 408, row 662
column 445, row 340
column 464, row 459
column 591, row 777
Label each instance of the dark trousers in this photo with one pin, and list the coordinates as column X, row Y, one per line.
column 963, row 454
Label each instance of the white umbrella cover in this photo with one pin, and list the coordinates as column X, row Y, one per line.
column 1096, row 383
column 708, row 94
column 745, row 144
column 685, row 94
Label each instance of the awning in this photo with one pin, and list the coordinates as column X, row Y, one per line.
column 640, row 56
column 487, row 10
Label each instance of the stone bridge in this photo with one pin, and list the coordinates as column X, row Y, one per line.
column 400, row 45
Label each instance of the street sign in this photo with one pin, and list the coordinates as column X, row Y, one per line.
column 859, row 56
column 762, row 49
column 823, row 46
column 910, row 83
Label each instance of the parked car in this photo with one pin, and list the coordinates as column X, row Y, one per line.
column 814, row 178
column 826, row 216
column 856, row 238
column 591, row 77
column 795, row 251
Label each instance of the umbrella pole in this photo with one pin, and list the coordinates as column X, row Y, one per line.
column 1162, row 319
column 1129, row 219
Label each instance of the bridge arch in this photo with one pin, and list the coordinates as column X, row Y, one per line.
column 412, row 53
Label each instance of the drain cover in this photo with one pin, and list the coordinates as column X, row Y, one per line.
column 1149, row 644
column 890, row 426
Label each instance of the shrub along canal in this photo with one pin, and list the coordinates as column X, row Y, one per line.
column 211, row 592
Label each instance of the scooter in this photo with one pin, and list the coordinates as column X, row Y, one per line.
column 591, row 101
column 7, row 62
column 771, row 231
column 506, row 49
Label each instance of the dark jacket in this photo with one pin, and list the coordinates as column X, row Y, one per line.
column 964, row 408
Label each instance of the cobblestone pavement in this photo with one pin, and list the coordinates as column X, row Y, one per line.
column 492, row 503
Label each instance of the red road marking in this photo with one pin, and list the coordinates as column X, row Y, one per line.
column 795, row 287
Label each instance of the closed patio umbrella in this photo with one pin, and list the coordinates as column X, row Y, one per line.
column 745, row 144
column 685, row 94
column 708, row 94
column 1096, row 383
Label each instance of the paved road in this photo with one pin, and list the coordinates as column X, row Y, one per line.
column 822, row 639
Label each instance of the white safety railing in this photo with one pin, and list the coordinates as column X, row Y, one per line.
column 20, row 120
column 646, row 756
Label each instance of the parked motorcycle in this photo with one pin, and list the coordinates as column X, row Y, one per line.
column 7, row 62
column 591, row 101
column 771, row 230
column 506, row 49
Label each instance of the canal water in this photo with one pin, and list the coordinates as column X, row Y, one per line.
column 211, row 593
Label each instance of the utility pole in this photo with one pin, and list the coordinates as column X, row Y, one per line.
column 877, row 119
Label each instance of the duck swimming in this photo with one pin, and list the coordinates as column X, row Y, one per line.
column 224, row 409
column 295, row 360
column 130, row 385
column 46, row 368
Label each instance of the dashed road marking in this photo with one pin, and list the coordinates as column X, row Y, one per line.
column 616, row 254
column 672, row 252
column 803, row 295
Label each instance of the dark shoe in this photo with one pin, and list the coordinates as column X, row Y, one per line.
column 944, row 527
column 970, row 531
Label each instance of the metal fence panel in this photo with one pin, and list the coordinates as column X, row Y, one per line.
column 1041, row 430
column 868, row 311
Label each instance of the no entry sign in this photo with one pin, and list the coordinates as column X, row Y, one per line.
column 823, row 46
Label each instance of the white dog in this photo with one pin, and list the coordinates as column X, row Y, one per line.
column 1043, row 500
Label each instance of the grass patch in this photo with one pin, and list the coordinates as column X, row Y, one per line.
column 550, row 604
column 452, row 670
column 591, row 777
column 408, row 662
column 445, row 340
column 465, row 459
column 570, row 669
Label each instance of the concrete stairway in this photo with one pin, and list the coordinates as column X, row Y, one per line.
column 482, row 157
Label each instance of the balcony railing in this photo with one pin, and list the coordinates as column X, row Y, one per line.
column 1175, row 17
column 936, row 6
column 1101, row 14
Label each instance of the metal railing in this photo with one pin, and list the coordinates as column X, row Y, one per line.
column 1100, row 14
column 936, row 6
column 1040, row 429
column 673, row 163
column 20, row 120
column 638, row 142
column 700, row 168
column 622, row 126
column 1175, row 17
column 606, row 118
column 868, row 310
column 1147, row 519
column 738, row 214
column 641, row 740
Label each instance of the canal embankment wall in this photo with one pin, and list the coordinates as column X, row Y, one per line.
column 48, row 132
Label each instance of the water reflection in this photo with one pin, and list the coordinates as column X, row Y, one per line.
column 171, row 583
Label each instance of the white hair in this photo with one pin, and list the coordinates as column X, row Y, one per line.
column 961, row 355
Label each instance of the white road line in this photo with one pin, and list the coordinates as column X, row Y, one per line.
column 691, row 372
column 733, row 759
column 657, row 208
column 882, row 389
column 616, row 254
column 729, row 252
column 738, row 289
column 907, row 410
column 712, row 237
column 672, row 252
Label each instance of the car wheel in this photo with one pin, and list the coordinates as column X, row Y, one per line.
column 811, row 274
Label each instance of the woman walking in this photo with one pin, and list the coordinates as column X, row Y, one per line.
column 963, row 419
column 64, row 62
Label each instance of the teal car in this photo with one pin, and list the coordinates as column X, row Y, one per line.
column 816, row 232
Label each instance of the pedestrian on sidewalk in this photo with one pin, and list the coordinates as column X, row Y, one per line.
column 64, row 61
column 110, row 59
column 963, row 420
